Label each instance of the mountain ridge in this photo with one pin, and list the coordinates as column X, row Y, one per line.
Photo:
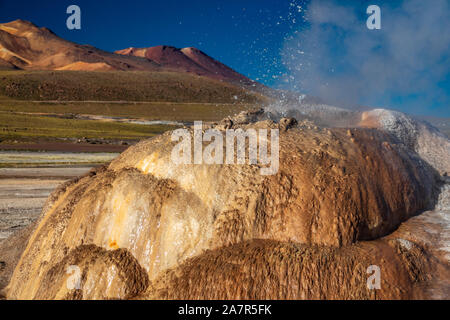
column 189, row 59
column 23, row 45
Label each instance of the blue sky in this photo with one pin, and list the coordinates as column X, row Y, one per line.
column 232, row 31
column 403, row 66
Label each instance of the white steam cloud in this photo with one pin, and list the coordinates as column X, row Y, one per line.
column 405, row 64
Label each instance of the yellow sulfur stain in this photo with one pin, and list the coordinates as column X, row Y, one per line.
column 113, row 244
column 120, row 207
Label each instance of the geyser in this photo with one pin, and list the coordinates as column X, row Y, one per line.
column 144, row 227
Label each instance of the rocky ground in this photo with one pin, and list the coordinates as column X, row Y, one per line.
column 23, row 192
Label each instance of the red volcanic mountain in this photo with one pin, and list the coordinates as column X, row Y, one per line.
column 187, row 60
column 23, row 45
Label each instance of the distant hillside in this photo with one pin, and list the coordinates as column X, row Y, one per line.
column 121, row 86
column 25, row 46
column 5, row 65
column 190, row 60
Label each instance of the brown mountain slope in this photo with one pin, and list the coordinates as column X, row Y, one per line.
column 5, row 65
column 211, row 64
column 168, row 57
column 187, row 60
column 27, row 46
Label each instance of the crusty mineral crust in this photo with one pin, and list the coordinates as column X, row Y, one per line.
column 334, row 187
column 267, row 269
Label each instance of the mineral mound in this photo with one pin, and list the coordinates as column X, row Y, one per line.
column 145, row 227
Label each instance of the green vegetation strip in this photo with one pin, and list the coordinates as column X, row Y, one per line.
column 28, row 127
column 181, row 112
